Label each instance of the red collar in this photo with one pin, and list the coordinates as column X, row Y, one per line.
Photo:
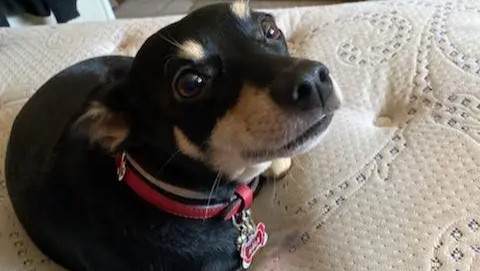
column 180, row 201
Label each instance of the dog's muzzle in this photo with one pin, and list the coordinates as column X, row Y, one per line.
column 305, row 87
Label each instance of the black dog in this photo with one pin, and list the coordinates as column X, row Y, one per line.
column 207, row 105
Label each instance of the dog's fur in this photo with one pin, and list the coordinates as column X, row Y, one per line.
column 253, row 105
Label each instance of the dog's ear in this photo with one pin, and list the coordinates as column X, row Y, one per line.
column 103, row 126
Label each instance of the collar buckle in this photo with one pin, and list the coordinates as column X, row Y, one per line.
column 121, row 166
column 240, row 204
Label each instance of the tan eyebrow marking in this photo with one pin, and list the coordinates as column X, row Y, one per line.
column 240, row 9
column 192, row 50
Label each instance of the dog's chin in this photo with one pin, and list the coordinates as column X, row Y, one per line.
column 304, row 142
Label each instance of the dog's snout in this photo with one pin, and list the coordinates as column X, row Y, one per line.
column 323, row 74
column 312, row 85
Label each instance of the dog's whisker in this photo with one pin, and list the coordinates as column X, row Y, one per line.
column 296, row 161
column 169, row 160
column 287, row 178
column 171, row 38
column 215, row 186
column 274, row 191
column 218, row 183
column 293, row 177
column 172, row 42
column 175, row 41
column 274, row 179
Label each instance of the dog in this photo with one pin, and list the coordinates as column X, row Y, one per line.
column 152, row 162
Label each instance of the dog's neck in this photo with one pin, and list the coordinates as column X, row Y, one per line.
column 179, row 170
column 153, row 146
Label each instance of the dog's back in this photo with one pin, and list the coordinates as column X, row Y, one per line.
column 66, row 193
column 36, row 138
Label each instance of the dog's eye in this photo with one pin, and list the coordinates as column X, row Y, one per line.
column 189, row 85
column 270, row 29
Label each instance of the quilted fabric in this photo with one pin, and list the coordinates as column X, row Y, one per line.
column 395, row 185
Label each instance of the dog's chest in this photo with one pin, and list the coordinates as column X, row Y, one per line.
column 186, row 244
column 158, row 241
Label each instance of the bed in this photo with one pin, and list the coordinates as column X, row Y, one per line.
column 395, row 185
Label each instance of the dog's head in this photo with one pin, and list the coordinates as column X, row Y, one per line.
column 222, row 84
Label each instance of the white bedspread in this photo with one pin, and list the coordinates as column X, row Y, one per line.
column 395, row 184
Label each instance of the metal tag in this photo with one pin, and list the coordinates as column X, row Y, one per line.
column 251, row 239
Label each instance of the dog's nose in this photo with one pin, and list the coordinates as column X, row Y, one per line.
column 312, row 86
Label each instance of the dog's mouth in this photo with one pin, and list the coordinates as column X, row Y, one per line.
column 302, row 143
